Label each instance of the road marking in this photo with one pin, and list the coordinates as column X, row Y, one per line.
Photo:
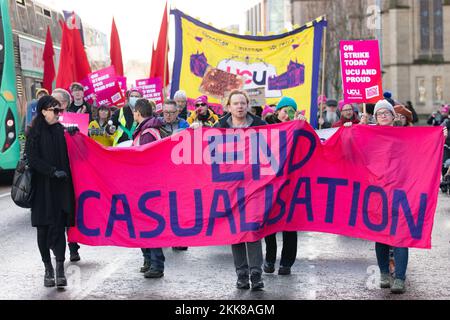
column 95, row 280
column 5, row 195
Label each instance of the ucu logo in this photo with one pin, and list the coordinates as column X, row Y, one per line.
column 354, row 92
column 257, row 77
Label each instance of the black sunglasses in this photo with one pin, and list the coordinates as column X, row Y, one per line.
column 56, row 111
column 200, row 105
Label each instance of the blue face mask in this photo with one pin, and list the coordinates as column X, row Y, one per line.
column 132, row 101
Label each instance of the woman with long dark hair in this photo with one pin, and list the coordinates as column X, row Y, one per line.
column 53, row 205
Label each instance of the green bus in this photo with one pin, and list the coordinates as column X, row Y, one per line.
column 9, row 119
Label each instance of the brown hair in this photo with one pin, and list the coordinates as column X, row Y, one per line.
column 236, row 92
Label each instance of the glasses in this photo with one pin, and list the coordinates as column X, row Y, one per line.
column 200, row 105
column 347, row 110
column 56, row 111
column 383, row 114
column 169, row 113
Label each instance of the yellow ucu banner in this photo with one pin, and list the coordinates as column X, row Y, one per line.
column 284, row 65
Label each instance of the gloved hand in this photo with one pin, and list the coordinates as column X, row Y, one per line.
column 72, row 130
column 59, row 174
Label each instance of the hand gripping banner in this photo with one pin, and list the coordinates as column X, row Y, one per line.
column 221, row 186
column 285, row 65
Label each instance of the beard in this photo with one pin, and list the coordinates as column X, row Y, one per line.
column 331, row 116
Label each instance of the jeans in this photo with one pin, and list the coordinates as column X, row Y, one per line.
column 59, row 249
column 400, row 258
column 248, row 257
column 155, row 256
column 289, row 251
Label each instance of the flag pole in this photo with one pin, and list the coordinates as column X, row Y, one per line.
column 166, row 51
column 324, row 60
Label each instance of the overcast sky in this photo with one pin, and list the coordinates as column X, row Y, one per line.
column 138, row 21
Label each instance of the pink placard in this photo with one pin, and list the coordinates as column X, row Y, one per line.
column 80, row 120
column 361, row 72
column 151, row 88
column 104, row 84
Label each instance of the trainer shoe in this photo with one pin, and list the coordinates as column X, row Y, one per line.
column 385, row 281
column 257, row 282
column 153, row 273
column 398, row 286
column 145, row 267
column 243, row 282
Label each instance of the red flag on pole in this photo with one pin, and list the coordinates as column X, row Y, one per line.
column 160, row 65
column 49, row 65
column 73, row 62
column 115, row 51
column 65, row 70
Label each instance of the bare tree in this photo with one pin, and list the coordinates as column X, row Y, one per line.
column 347, row 20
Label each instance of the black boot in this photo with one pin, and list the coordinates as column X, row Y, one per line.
column 61, row 280
column 257, row 282
column 49, row 277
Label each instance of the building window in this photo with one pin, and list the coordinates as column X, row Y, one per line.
column 47, row 13
column 424, row 27
column 21, row 2
column 431, row 29
column 438, row 43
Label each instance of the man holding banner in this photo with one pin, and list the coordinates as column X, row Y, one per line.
column 248, row 256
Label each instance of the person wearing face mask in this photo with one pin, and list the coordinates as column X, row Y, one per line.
column 123, row 118
column 53, row 205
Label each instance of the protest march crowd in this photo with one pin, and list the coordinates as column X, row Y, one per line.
column 138, row 123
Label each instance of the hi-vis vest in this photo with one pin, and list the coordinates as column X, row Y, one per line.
column 154, row 132
column 123, row 128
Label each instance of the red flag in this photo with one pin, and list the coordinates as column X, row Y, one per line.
column 115, row 51
column 82, row 67
column 73, row 62
column 160, row 55
column 65, row 70
column 49, row 65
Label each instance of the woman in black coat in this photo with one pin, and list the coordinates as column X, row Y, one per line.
column 53, row 207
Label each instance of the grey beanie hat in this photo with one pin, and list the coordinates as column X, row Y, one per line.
column 383, row 104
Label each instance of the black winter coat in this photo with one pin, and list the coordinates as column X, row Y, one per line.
column 54, row 199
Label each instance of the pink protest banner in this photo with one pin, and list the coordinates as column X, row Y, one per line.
column 80, row 120
column 361, row 71
column 103, row 83
column 152, row 89
column 180, row 192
